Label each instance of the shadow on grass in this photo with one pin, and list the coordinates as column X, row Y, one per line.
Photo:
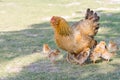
column 110, row 21
column 21, row 43
column 44, row 70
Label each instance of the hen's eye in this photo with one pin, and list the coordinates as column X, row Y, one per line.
column 56, row 23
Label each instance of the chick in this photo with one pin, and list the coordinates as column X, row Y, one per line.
column 112, row 47
column 110, row 51
column 81, row 58
column 107, row 55
column 84, row 56
column 101, row 51
column 53, row 54
column 97, row 51
column 95, row 56
column 46, row 48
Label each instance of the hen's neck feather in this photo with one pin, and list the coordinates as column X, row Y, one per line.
column 64, row 29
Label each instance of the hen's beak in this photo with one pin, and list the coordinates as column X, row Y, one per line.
column 52, row 19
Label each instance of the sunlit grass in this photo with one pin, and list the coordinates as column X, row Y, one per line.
column 17, row 64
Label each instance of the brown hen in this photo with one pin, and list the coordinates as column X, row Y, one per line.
column 76, row 38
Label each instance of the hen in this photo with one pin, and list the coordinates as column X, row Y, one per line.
column 76, row 38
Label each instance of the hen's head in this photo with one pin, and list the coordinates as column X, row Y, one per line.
column 56, row 21
column 60, row 26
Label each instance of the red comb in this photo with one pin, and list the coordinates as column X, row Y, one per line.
column 53, row 19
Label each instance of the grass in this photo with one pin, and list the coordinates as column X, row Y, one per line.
column 25, row 27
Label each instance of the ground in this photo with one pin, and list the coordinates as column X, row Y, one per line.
column 25, row 27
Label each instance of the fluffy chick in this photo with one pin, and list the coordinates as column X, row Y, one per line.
column 53, row 54
column 81, row 58
column 112, row 47
column 107, row 55
column 98, row 50
column 46, row 48
column 101, row 51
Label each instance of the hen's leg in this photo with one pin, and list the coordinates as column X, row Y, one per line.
column 107, row 60
column 70, row 58
column 94, row 61
column 74, row 59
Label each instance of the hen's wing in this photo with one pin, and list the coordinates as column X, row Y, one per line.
column 89, row 25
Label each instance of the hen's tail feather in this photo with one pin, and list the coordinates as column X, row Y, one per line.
column 91, row 15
